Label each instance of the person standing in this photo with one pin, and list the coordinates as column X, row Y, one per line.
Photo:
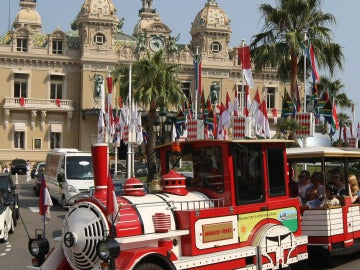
column 28, row 168
column 6, row 169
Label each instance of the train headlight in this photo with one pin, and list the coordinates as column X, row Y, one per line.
column 39, row 247
column 108, row 249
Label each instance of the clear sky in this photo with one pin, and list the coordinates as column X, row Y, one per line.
column 179, row 14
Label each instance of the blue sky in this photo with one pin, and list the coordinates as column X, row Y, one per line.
column 179, row 14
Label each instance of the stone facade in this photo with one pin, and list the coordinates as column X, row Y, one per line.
column 47, row 80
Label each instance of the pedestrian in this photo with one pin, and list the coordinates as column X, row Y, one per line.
column 6, row 169
column 28, row 168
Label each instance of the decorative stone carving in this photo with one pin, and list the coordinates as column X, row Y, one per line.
column 6, row 118
column 69, row 118
column 43, row 117
column 33, row 118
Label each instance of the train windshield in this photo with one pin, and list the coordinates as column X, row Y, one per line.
column 202, row 167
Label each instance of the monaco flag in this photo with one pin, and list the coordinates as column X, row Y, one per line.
column 45, row 201
column 244, row 55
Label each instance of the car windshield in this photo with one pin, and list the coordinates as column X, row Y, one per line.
column 79, row 167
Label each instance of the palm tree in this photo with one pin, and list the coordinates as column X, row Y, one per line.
column 335, row 90
column 154, row 86
column 344, row 120
column 281, row 43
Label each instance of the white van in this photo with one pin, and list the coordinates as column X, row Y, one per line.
column 68, row 172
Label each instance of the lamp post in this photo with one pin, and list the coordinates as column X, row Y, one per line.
column 162, row 125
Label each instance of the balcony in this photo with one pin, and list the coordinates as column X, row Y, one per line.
column 30, row 104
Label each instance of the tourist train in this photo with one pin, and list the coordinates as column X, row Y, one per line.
column 217, row 204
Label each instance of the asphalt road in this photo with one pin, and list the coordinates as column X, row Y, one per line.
column 15, row 255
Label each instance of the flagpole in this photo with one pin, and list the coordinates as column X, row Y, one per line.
column 242, row 76
column 131, row 129
column 43, row 204
column 196, row 83
column 304, row 53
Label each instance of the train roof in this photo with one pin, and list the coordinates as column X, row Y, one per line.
column 321, row 151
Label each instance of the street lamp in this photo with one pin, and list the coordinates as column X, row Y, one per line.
column 162, row 125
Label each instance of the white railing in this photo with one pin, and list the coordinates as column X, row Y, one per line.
column 38, row 103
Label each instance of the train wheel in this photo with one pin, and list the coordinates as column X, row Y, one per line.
column 148, row 266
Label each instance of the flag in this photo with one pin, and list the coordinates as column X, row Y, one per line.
column 244, row 55
column 197, row 72
column 287, row 105
column 228, row 105
column 112, row 207
column 358, row 131
column 255, row 103
column 247, row 101
column 236, row 103
column 180, row 122
column 262, row 121
column 274, row 114
column 335, row 119
column 22, row 101
column 109, row 117
column 45, row 201
column 309, row 51
column 58, row 102
column 313, row 65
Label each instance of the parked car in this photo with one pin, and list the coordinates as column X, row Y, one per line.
column 6, row 220
column 40, row 167
column 18, row 166
column 121, row 170
column 140, row 169
column 7, row 190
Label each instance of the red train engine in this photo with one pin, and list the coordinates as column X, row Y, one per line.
column 219, row 204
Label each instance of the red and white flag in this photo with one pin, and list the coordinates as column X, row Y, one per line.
column 262, row 121
column 111, row 203
column 244, row 55
column 45, row 201
column 255, row 103
column 248, row 101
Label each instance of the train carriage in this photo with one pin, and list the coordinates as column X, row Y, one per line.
column 218, row 204
column 331, row 231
